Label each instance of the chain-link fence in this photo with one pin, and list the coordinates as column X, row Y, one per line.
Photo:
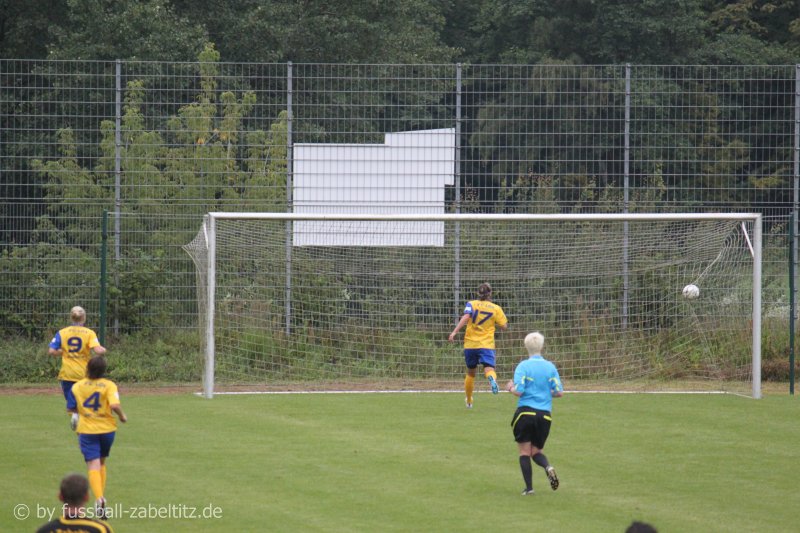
column 160, row 144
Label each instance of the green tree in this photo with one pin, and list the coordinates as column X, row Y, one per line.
column 126, row 29
column 775, row 21
column 583, row 31
column 540, row 121
column 26, row 27
column 73, row 194
column 201, row 159
column 750, row 32
column 333, row 31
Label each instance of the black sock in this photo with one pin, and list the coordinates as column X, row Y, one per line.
column 527, row 471
column 541, row 460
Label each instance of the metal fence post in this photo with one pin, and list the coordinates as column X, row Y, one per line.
column 457, row 200
column 117, row 171
column 289, row 199
column 792, row 299
column 103, row 276
column 626, row 195
column 794, row 228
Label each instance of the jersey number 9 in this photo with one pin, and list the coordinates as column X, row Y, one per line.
column 75, row 344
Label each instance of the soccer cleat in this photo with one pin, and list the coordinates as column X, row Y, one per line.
column 551, row 475
column 468, row 403
column 100, row 509
column 493, row 383
column 527, row 492
column 73, row 421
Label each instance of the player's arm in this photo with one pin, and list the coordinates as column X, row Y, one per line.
column 516, row 386
column 113, row 401
column 54, row 348
column 117, row 408
column 95, row 346
column 461, row 323
column 501, row 321
column 510, row 387
column 556, row 388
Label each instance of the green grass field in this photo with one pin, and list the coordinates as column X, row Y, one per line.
column 417, row 462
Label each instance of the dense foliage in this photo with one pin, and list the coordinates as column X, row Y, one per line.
column 406, row 31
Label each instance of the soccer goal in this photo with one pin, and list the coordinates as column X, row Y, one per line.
column 365, row 302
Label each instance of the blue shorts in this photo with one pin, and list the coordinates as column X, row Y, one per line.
column 66, row 386
column 484, row 356
column 96, row 445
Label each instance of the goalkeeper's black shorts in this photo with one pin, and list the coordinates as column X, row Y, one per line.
column 531, row 425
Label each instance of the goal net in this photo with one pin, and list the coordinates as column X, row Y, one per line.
column 366, row 302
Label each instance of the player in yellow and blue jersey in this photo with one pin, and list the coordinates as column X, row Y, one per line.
column 74, row 345
column 481, row 317
column 536, row 382
column 95, row 398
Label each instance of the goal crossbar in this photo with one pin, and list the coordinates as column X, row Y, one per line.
column 541, row 217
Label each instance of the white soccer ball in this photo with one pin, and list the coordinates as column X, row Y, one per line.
column 690, row 292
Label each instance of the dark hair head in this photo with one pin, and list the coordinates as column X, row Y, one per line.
column 96, row 368
column 485, row 291
column 74, row 490
column 640, row 527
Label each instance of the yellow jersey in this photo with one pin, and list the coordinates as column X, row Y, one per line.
column 76, row 343
column 93, row 398
column 484, row 315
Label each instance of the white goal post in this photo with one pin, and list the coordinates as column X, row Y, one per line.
column 287, row 304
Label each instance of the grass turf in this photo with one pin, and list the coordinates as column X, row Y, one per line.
column 416, row 462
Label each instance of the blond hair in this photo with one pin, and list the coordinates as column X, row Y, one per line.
column 77, row 314
column 534, row 342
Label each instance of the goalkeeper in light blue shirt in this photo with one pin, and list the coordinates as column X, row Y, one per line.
column 536, row 382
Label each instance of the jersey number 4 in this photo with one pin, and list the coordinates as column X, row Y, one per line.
column 92, row 402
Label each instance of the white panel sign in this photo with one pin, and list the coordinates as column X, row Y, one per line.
column 405, row 175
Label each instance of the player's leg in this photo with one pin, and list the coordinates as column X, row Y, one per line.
column 541, row 459
column 487, row 359
column 106, row 441
column 542, row 432
column 95, row 449
column 90, row 448
column 521, row 425
column 93, row 467
column 471, row 358
column 103, row 472
column 66, row 386
column 491, row 375
column 469, row 386
column 525, row 466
